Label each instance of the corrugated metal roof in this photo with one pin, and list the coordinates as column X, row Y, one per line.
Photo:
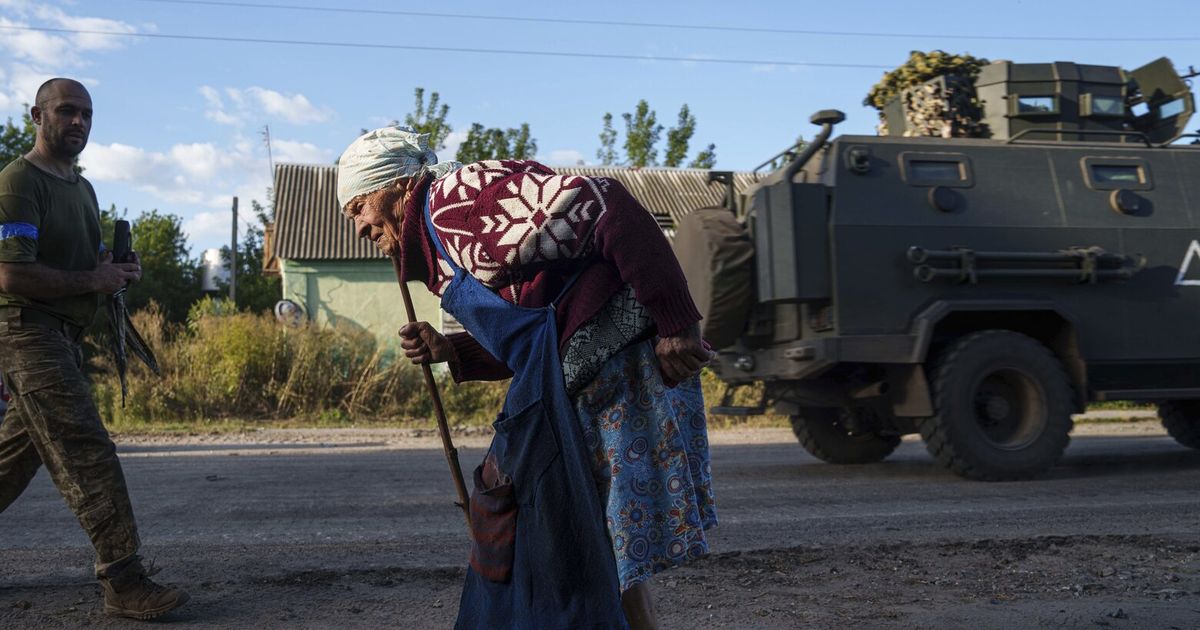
column 308, row 223
column 310, row 226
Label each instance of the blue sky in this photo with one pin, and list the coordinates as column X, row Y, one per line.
column 178, row 122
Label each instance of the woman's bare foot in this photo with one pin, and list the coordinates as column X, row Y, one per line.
column 639, row 607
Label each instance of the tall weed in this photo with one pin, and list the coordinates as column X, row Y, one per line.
column 225, row 364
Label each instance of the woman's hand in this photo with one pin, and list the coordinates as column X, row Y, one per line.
column 424, row 344
column 680, row 357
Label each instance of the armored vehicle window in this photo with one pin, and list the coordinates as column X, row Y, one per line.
column 936, row 169
column 933, row 171
column 1171, row 108
column 1113, row 173
column 1117, row 174
column 1096, row 105
column 1033, row 106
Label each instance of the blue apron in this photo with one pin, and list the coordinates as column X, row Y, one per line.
column 542, row 518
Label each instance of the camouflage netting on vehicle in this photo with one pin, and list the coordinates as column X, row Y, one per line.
column 934, row 93
column 944, row 107
column 717, row 257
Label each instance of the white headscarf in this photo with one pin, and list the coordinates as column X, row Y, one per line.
column 380, row 157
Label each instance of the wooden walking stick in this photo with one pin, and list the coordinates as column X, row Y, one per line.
column 464, row 499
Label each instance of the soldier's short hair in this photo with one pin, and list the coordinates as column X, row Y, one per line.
column 43, row 91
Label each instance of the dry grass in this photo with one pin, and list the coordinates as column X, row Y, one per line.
column 233, row 367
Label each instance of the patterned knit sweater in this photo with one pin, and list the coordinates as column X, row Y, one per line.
column 523, row 231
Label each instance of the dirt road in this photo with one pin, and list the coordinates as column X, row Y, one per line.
column 355, row 529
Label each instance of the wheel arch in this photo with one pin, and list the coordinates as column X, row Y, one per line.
column 1042, row 320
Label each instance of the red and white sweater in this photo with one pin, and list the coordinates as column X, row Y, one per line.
column 523, row 231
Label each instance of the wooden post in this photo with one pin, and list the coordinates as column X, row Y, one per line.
column 233, row 252
column 464, row 499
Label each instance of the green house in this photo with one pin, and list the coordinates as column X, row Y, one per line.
column 336, row 278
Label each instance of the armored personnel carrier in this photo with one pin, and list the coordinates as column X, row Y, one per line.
column 977, row 290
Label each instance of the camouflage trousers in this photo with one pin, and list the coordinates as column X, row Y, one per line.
column 53, row 420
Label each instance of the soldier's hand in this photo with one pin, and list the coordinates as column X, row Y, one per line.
column 109, row 277
column 424, row 344
column 680, row 357
column 137, row 260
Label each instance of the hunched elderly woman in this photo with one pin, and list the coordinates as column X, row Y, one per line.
column 599, row 474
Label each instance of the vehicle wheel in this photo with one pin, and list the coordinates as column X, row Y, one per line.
column 1181, row 419
column 1002, row 405
column 827, row 434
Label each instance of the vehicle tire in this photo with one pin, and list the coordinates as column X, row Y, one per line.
column 1181, row 419
column 823, row 433
column 1002, row 407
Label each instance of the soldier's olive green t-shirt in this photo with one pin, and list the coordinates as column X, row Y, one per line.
column 54, row 222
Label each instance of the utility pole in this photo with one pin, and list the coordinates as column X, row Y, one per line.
column 266, row 134
column 233, row 251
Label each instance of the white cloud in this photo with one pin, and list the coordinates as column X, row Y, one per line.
column 56, row 49
column 18, row 86
column 92, row 41
column 216, row 107
column 565, row 157
column 27, row 58
column 238, row 107
column 201, row 161
column 207, row 174
column 34, row 46
column 185, row 173
column 208, row 227
column 300, row 152
column 294, row 108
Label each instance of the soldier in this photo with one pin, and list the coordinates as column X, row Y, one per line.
column 52, row 268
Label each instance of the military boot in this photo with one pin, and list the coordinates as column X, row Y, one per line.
column 129, row 592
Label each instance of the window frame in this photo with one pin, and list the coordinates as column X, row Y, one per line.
column 907, row 172
column 1092, row 161
column 1087, row 106
column 1014, row 106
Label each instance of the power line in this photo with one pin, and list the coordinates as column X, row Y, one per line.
column 485, row 51
column 663, row 25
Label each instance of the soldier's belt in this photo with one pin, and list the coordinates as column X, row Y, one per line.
column 17, row 317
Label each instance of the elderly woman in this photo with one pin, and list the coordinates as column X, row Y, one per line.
column 599, row 473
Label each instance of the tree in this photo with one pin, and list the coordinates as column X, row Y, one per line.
column 706, row 158
column 679, row 136
column 170, row 276
column 483, row 143
column 16, row 140
column 641, row 134
column 607, row 154
column 430, row 119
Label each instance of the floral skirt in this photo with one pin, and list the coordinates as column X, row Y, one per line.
column 649, row 446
